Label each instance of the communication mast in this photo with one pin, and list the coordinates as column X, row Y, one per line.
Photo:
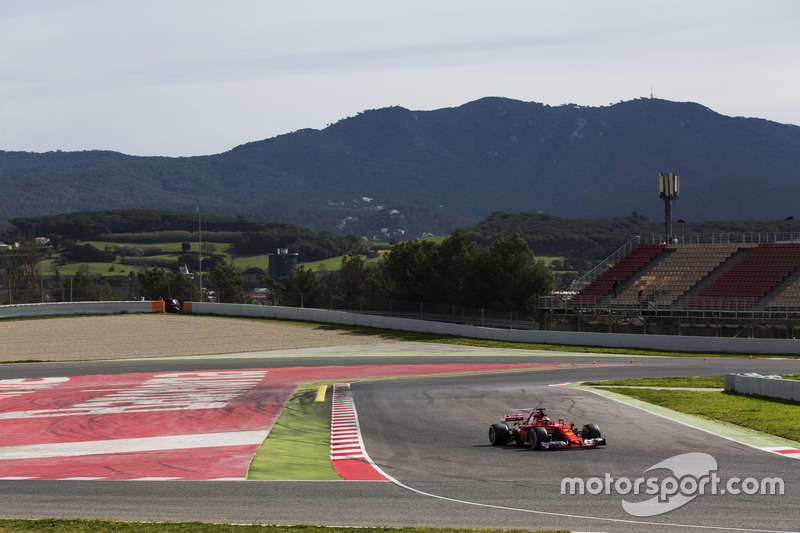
column 668, row 185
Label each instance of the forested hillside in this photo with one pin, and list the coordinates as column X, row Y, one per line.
column 587, row 239
column 409, row 172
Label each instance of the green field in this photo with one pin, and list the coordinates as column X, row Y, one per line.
column 335, row 263
column 767, row 415
column 171, row 250
column 166, row 247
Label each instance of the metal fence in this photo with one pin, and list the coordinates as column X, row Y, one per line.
column 751, row 237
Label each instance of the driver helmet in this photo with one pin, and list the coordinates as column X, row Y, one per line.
column 545, row 421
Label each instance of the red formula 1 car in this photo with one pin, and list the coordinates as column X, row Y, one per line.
column 531, row 427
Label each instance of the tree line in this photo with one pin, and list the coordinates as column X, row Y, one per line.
column 140, row 226
column 503, row 277
column 590, row 240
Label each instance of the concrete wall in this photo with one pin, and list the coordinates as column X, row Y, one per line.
column 608, row 340
column 770, row 386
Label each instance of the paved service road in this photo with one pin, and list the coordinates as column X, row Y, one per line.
column 430, row 435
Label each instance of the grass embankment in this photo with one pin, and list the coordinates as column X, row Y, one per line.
column 103, row 526
column 767, row 415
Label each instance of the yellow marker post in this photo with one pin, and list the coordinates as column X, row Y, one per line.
column 321, row 393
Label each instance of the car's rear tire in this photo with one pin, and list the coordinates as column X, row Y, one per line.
column 536, row 436
column 591, row 431
column 498, row 434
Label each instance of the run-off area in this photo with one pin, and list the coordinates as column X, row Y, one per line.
column 190, row 425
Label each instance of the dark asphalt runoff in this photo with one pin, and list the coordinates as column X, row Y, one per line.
column 430, row 436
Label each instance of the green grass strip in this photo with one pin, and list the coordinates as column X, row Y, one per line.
column 705, row 382
column 103, row 526
column 298, row 445
column 710, row 382
column 767, row 415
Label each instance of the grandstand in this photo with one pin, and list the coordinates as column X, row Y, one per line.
column 723, row 289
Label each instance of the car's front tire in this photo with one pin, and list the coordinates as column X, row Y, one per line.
column 591, row 431
column 536, row 436
column 498, row 434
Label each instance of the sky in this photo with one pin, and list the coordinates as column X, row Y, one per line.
column 199, row 77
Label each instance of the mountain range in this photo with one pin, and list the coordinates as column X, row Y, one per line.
column 395, row 169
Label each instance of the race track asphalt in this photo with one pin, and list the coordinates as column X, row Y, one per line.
column 430, row 435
